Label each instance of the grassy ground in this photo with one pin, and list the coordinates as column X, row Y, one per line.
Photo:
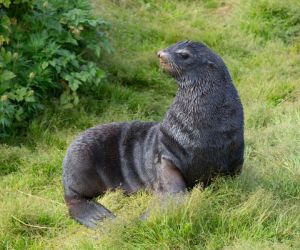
column 260, row 42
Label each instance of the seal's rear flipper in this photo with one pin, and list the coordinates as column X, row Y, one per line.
column 88, row 212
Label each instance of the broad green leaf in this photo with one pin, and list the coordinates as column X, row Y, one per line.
column 7, row 75
column 45, row 65
column 74, row 85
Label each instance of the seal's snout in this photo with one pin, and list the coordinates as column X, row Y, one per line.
column 162, row 55
column 164, row 60
column 159, row 54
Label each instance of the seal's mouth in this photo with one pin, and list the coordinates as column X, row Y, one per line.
column 165, row 65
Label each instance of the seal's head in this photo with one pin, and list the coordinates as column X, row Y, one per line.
column 190, row 62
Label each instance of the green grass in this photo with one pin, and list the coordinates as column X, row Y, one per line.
column 260, row 209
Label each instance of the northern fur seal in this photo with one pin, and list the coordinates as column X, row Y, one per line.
column 200, row 137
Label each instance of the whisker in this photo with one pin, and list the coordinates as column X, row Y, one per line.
column 175, row 67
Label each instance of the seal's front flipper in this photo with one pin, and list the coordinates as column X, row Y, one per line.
column 171, row 184
column 88, row 212
column 172, row 181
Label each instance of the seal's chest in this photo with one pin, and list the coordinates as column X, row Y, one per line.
column 204, row 164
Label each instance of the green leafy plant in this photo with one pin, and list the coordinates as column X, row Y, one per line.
column 47, row 50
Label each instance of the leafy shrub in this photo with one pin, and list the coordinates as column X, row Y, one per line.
column 47, row 50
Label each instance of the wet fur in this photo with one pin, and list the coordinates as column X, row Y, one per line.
column 200, row 137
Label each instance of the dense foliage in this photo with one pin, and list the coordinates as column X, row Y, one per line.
column 46, row 51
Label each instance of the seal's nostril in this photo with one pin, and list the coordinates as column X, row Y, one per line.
column 162, row 55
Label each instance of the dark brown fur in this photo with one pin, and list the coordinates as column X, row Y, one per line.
column 200, row 137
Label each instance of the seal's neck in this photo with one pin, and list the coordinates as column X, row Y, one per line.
column 194, row 108
column 199, row 97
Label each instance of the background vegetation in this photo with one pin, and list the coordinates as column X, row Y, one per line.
column 46, row 52
column 260, row 42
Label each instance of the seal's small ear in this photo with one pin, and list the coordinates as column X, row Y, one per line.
column 211, row 64
column 208, row 62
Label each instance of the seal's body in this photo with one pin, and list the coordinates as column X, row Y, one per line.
column 200, row 137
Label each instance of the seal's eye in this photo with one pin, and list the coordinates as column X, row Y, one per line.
column 184, row 55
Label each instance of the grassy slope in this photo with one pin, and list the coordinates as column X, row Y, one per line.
column 258, row 210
